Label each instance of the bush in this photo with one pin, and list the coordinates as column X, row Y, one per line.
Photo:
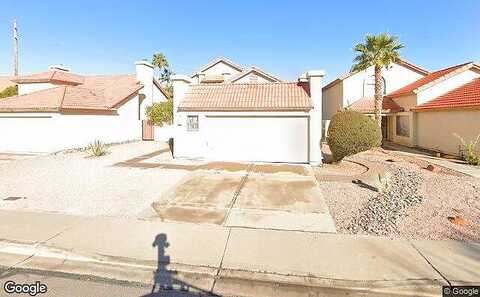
column 350, row 133
column 470, row 154
column 97, row 148
column 160, row 113
column 9, row 92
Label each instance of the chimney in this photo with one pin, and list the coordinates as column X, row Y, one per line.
column 315, row 83
column 200, row 77
column 59, row 67
column 144, row 71
column 180, row 84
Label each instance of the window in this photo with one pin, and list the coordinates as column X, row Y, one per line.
column 192, row 123
column 369, row 86
column 403, row 126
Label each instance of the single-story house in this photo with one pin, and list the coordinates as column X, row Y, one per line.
column 245, row 119
column 58, row 109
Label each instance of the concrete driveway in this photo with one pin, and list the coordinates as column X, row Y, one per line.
column 280, row 197
column 134, row 176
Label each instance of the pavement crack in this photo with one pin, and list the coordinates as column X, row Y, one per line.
column 221, row 260
column 430, row 263
column 237, row 193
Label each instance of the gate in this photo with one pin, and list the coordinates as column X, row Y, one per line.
column 147, row 130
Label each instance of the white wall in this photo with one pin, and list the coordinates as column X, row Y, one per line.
column 33, row 87
column 396, row 76
column 249, row 78
column 49, row 132
column 194, row 144
column 332, row 99
column 219, row 69
column 445, row 86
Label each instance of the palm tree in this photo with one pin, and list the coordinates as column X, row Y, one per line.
column 378, row 51
column 161, row 63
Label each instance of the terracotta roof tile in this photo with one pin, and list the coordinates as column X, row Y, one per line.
column 51, row 76
column 367, row 105
column 247, row 97
column 410, row 88
column 466, row 96
column 100, row 92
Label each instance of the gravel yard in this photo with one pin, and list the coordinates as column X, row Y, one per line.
column 75, row 183
column 420, row 204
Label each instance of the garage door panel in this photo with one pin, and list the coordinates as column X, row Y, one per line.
column 268, row 139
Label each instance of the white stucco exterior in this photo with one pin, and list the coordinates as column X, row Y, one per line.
column 33, row 87
column 55, row 131
column 267, row 136
column 50, row 132
column 361, row 84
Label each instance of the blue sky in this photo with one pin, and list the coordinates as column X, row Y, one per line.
column 283, row 37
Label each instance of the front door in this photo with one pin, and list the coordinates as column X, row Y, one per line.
column 385, row 127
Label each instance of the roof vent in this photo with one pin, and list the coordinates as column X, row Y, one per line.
column 59, row 67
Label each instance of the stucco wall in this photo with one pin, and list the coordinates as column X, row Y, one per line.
column 249, row 77
column 332, row 100
column 446, row 86
column 396, row 77
column 435, row 129
column 33, row 87
column 406, row 102
column 195, row 144
column 219, row 69
column 408, row 141
column 49, row 132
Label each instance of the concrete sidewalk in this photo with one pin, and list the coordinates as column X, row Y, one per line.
column 234, row 261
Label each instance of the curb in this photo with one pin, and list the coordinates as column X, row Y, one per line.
column 200, row 280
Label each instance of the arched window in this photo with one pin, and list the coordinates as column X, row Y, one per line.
column 369, row 86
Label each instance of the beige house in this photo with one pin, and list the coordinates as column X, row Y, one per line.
column 355, row 90
column 420, row 109
column 436, row 108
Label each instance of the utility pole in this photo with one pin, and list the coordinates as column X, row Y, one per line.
column 15, row 48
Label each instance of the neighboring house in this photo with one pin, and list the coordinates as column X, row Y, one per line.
column 267, row 121
column 436, row 107
column 356, row 90
column 58, row 109
column 222, row 70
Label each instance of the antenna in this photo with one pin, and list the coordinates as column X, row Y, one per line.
column 15, row 48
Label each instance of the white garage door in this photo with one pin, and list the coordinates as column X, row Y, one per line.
column 267, row 139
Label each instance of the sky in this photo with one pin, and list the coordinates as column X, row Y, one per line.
column 285, row 38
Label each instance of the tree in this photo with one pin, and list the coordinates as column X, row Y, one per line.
column 161, row 63
column 378, row 51
column 9, row 91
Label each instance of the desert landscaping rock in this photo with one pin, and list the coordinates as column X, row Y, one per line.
column 381, row 213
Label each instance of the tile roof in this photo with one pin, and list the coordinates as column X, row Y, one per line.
column 100, row 93
column 367, row 105
column 433, row 77
column 51, row 76
column 466, row 96
column 247, row 97
column 6, row 81
column 402, row 62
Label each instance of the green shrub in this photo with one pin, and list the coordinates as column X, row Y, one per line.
column 9, row 91
column 160, row 113
column 350, row 133
column 471, row 155
column 97, row 148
